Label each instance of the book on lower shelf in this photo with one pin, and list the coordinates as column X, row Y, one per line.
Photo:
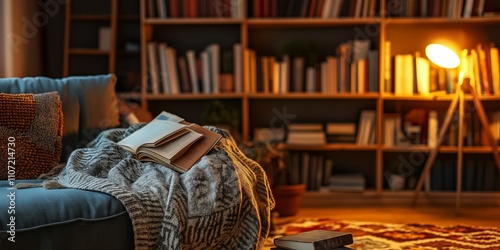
column 346, row 183
column 338, row 132
column 306, row 134
column 318, row 239
column 366, row 128
column 170, row 141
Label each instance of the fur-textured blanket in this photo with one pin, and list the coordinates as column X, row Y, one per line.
column 223, row 202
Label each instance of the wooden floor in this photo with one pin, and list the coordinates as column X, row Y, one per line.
column 440, row 215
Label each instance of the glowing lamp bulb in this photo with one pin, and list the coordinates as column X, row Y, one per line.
column 442, row 56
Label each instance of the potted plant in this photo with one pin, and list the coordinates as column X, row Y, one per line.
column 222, row 115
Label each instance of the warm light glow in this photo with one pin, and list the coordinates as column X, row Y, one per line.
column 442, row 56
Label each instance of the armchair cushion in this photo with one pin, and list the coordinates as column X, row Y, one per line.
column 89, row 104
column 31, row 127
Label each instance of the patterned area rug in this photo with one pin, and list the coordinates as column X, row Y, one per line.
column 374, row 235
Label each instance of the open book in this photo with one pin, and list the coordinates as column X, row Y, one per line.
column 170, row 141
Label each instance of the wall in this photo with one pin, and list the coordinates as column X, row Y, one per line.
column 21, row 38
column 4, row 25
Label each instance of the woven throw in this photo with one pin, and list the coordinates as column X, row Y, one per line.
column 31, row 128
column 222, row 202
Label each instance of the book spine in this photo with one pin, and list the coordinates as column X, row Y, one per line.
column 334, row 242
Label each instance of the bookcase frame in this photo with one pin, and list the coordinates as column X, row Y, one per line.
column 385, row 25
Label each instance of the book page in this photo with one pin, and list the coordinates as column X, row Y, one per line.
column 171, row 150
column 151, row 134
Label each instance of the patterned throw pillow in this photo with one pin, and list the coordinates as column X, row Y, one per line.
column 31, row 128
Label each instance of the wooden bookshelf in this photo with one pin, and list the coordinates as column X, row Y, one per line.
column 263, row 34
column 81, row 53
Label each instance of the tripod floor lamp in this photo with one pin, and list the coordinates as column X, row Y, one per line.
column 446, row 58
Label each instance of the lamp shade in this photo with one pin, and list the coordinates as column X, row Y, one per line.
column 442, row 56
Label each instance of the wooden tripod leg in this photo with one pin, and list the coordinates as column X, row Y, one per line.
column 485, row 124
column 434, row 151
column 460, row 146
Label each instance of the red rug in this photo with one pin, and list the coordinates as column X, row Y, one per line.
column 374, row 235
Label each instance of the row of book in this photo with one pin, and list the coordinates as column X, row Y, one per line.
column 212, row 71
column 317, row 173
column 353, row 69
column 320, row 8
column 409, row 74
column 194, row 8
column 478, row 175
column 420, row 127
column 443, row 8
column 313, row 8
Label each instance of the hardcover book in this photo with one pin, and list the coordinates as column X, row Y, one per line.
column 315, row 240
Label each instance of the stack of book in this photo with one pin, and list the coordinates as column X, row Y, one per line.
column 306, row 134
column 341, row 132
column 170, row 141
column 346, row 183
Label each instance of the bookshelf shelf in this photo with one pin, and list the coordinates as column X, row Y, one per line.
column 284, row 22
column 187, row 96
column 467, row 97
column 392, row 97
column 373, row 96
column 441, row 20
column 191, row 21
column 477, row 150
column 330, row 147
column 261, row 103
column 419, row 149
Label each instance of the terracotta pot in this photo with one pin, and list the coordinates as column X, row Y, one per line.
column 226, row 83
column 288, row 199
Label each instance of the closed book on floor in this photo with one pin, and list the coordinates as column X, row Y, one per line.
column 314, row 240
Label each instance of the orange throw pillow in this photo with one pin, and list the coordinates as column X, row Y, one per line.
column 31, row 128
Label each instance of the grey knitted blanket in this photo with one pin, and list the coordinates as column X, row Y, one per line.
column 223, row 202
